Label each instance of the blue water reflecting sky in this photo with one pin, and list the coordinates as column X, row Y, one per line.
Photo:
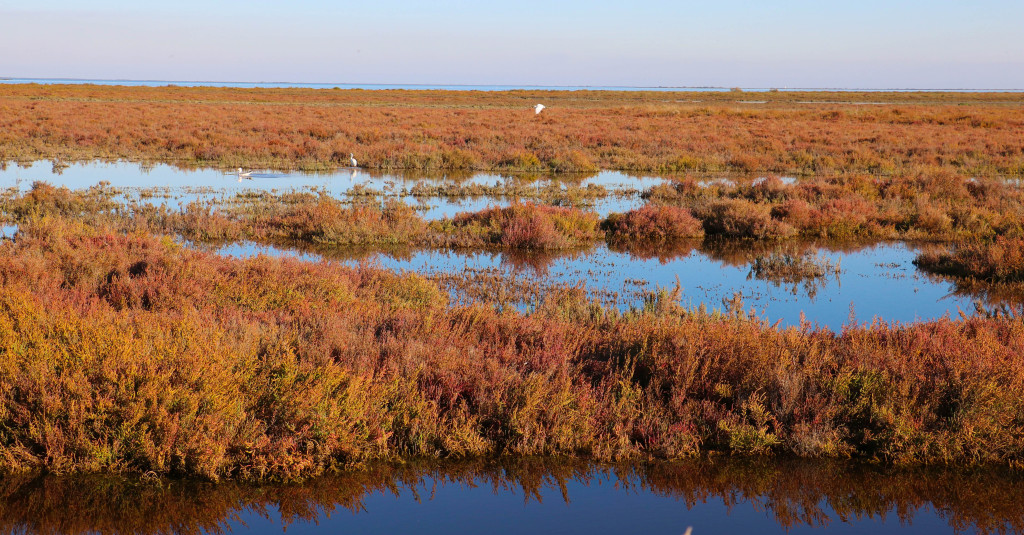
column 597, row 507
column 877, row 281
column 180, row 186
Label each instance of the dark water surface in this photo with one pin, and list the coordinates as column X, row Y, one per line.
column 535, row 496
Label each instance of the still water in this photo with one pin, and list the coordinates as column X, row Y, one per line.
column 535, row 496
column 876, row 281
column 176, row 187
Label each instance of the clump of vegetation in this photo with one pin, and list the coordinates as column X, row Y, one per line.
column 809, row 270
column 44, row 200
column 934, row 207
column 522, row 226
column 653, row 223
column 739, row 218
column 939, row 209
column 325, row 221
column 1000, row 260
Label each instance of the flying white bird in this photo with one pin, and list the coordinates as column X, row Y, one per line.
column 352, row 160
column 538, row 108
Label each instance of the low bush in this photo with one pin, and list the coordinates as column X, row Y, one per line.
column 522, row 226
column 653, row 223
column 739, row 218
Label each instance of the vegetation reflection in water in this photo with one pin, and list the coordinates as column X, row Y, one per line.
column 711, row 495
column 823, row 283
column 436, row 195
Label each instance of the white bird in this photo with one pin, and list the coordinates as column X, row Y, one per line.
column 538, row 108
column 352, row 160
column 244, row 175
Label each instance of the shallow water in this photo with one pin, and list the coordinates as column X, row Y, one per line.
column 176, row 187
column 535, row 496
column 878, row 281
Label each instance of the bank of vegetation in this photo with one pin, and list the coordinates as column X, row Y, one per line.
column 122, row 350
column 818, row 133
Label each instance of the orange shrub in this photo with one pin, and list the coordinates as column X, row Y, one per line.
column 525, row 226
column 738, row 218
column 653, row 223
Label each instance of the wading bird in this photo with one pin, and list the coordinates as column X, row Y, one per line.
column 538, row 108
column 352, row 160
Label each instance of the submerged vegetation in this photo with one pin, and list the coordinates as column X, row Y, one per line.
column 819, row 133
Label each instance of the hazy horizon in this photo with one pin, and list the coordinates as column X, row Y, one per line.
column 791, row 43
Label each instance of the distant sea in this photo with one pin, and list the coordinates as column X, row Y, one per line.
column 456, row 87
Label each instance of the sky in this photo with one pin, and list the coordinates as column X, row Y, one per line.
column 727, row 43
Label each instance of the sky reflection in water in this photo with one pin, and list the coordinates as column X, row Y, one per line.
column 177, row 187
column 877, row 281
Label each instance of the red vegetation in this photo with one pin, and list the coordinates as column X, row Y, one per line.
column 653, row 223
column 525, row 226
column 1001, row 260
column 968, row 134
column 128, row 352
column 740, row 218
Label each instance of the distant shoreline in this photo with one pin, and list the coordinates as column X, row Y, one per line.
column 475, row 87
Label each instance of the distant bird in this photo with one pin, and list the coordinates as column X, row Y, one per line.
column 538, row 108
column 352, row 160
column 244, row 175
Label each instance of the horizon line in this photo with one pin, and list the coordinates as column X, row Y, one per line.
column 540, row 86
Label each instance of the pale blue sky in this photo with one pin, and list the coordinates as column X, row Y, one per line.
column 785, row 43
